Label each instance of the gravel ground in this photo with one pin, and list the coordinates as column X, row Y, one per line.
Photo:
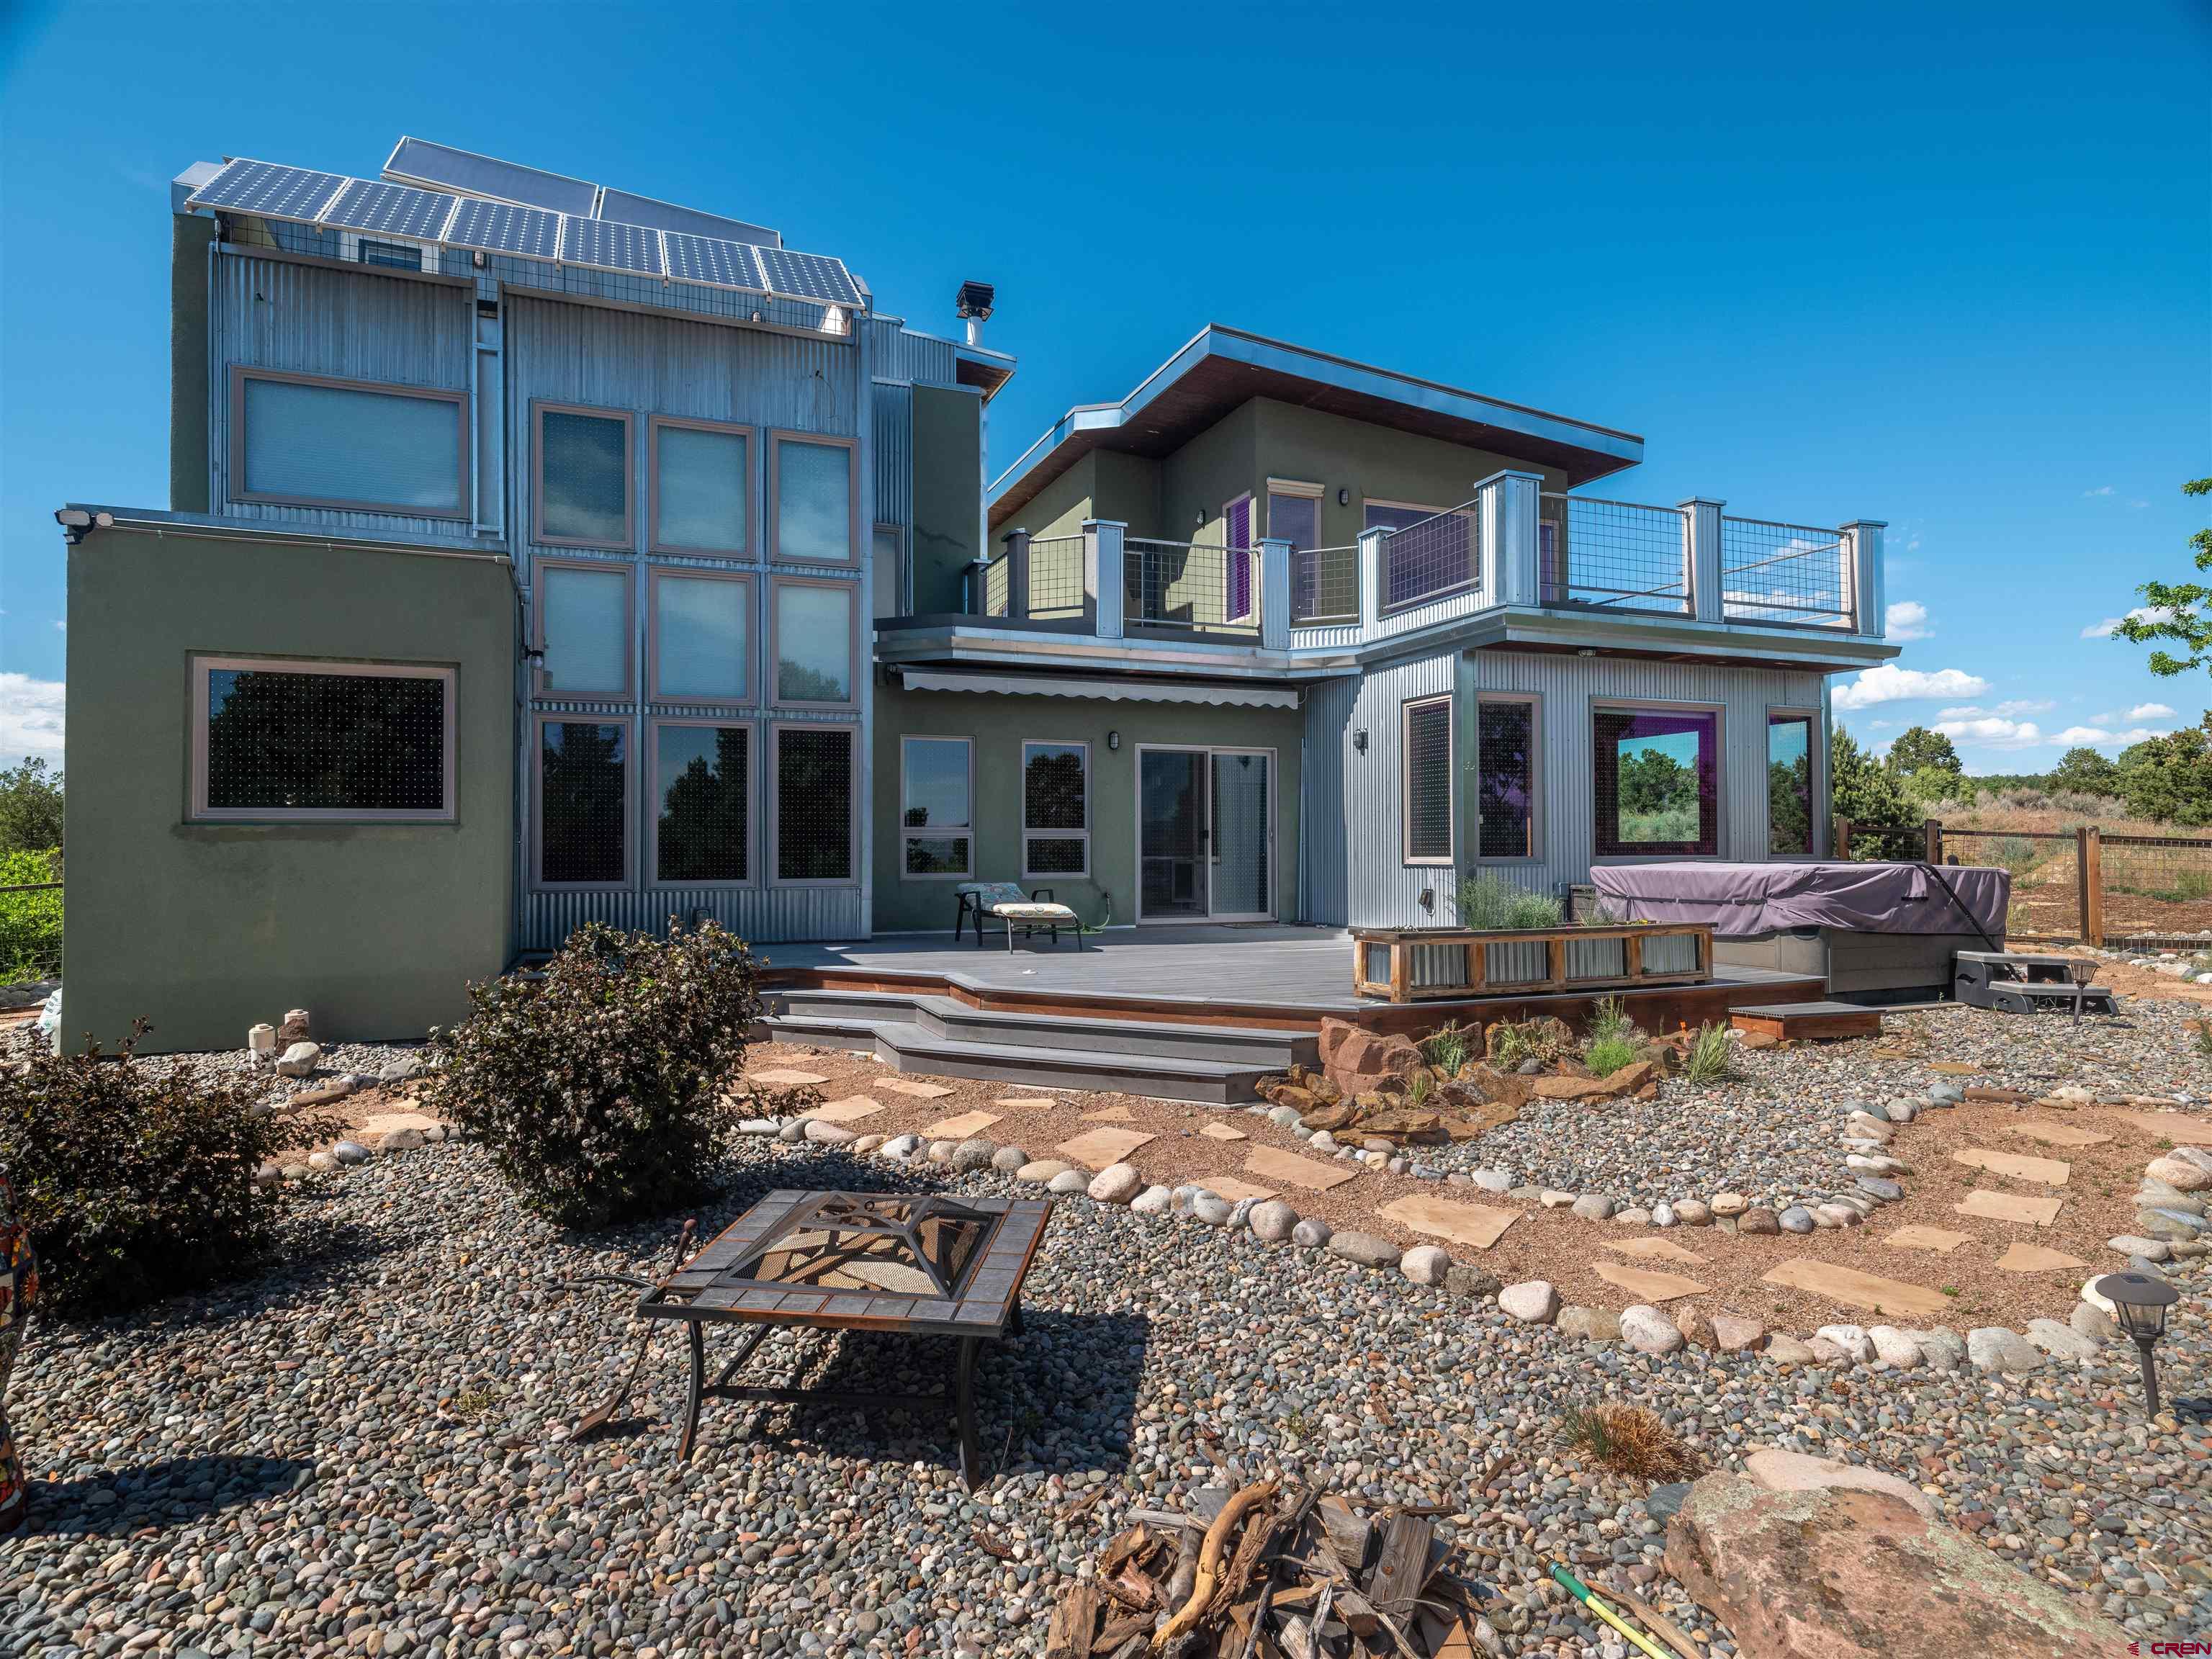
column 360, row 1451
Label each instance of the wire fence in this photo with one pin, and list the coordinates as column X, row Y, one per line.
column 995, row 586
column 31, row 921
column 1612, row 556
column 1056, row 576
column 1433, row 558
column 1192, row 586
column 1784, row 572
column 2048, row 905
column 2156, row 890
column 1324, row 586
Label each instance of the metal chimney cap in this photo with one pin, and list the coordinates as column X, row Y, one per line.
column 975, row 299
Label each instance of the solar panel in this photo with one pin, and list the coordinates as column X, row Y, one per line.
column 417, row 161
column 498, row 228
column 807, row 277
column 711, row 260
column 628, row 208
column 268, row 190
column 605, row 246
column 390, row 209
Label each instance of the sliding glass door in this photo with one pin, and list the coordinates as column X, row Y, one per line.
column 1206, row 835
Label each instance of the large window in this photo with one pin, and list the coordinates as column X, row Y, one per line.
column 1055, row 809
column 306, row 441
column 701, row 637
column 813, row 505
column 584, row 630
column 814, row 804
column 1788, row 784
column 701, row 488
column 814, row 643
column 1427, row 797
column 277, row 739
column 936, row 808
column 583, row 802
column 702, row 803
column 1505, row 752
column 582, row 495
column 1657, row 781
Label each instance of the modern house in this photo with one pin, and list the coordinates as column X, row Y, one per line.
column 540, row 552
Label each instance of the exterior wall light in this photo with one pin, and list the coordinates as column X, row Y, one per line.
column 1343, row 495
column 2141, row 1300
column 1114, row 740
column 1359, row 739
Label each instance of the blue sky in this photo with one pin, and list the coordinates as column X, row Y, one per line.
column 1946, row 266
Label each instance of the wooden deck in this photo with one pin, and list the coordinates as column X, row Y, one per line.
column 1264, row 976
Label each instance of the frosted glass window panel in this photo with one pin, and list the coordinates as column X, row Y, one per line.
column 813, row 644
column 583, row 478
column 701, row 628
column 342, row 446
column 813, row 501
column 703, row 484
column 585, row 615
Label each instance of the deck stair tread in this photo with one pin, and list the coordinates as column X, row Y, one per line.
column 947, row 1018
column 1798, row 1010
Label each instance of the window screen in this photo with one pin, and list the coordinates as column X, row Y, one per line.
column 582, row 767
column 934, row 797
column 1656, row 781
column 355, row 744
column 702, row 776
column 585, row 629
column 703, row 485
column 1295, row 520
column 813, row 643
column 1055, row 809
column 700, row 629
column 814, row 804
column 1789, row 785
column 583, row 478
column 1505, row 773
column 346, row 447
column 393, row 256
column 813, row 501
column 1428, row 797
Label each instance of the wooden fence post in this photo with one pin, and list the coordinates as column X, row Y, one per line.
column 1931, row 839
column 2089, row 866
column 1843, row 841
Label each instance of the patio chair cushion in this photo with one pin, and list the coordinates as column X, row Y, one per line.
column 991, row 894
column 1031, row 911
column 1007, row 900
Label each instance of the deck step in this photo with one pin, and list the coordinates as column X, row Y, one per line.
column 1266, row 1050
column 1808, row 1021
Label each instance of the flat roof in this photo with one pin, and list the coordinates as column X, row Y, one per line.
column 1222, row 368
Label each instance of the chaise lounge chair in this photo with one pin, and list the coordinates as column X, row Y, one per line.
column 1004, row 901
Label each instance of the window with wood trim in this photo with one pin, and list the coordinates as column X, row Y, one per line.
column 1505, row 777
column 582, row 482
column 1425, row 797
column 583, row 803
column 278, row 739
column 305, row 440
column 813, row 501
column 702, row 803
column 1788, row 784
column 937, row 793
column 583, row 629
column 701, row 637
column 1657, row 787
column 1055, row 809
column 814, row 804
column 701, row 488
column 814, row 641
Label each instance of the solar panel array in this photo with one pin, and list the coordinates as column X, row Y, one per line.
column 331, row 200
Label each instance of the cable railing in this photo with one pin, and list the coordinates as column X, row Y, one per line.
column 1324, row 586
column 1191, row 586
column 1612, row 556
column 1056, row 576
column 1791, row 574
column 1433, row 558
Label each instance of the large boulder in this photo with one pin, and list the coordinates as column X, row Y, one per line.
column 1824, row 1573
column 300, row 1060
column 1359, row 1059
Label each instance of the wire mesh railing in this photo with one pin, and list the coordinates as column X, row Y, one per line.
column 1612, row 556
column 2049, row 899
column 1056, row 576
column 1190, row 585
column 1324, row 586
column 1791, row 574
column 30, row 924
column 2156, row 890
column 997, row 585
column 1432, row 559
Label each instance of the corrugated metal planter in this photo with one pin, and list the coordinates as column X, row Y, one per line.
column 1411, row 964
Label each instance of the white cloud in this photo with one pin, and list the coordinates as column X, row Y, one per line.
column 1890, row 683
column 61, row 624
column 2101, row 489
column 2110, row 625
column 2150, row 711
column 30, row 718
column 2013, row 709
column 2099, row 737
column 1994, row 732
column 1907, row 620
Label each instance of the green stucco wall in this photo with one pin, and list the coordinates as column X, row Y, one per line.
column 999, row 725
column 948, row 461
column 189, row 238
column 206, row 929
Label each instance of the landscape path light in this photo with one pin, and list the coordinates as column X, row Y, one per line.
column 2080, row 971
column 2141, row 1301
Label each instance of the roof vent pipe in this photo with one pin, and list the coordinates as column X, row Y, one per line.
column 975, row 305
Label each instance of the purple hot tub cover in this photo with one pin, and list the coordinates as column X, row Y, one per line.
column 1738, row 900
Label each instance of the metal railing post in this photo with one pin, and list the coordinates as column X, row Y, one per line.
column 1371, row 576
column 1274, row 593
column 1861, row 576
column 1018, row 573
column 1512, row 502
column 1105, row 575
column 1701, row 558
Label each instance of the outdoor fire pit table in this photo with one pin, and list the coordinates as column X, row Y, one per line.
column 908, row 1264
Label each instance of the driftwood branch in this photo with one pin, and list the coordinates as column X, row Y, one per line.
column 1209, row 1560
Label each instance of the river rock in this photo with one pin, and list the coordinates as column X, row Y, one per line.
column 1591, row 1324
column 1313, row 1233
column 1068, row 1182
column 1368, row 1249
column 1893, row 1347
column 1153, row 1201
column 299, row 1060
column 1993, row 1348
column 2180, row 1174
column 1424, row 1264
column 1272, row 1220
column 1117, row 1183
column 1648, row 1330
column 1533, row 1302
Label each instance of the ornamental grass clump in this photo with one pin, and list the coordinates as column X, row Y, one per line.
column 1451, row 1046
column 1489, row 902
column 1609, row 1054
column 1711, row 1056
column 136, row 1178
column 1629, row 1440
column 596, row 1085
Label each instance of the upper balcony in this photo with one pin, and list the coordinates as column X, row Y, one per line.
column 1515, row 565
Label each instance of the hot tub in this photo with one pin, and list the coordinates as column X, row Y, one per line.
column 1876, row 932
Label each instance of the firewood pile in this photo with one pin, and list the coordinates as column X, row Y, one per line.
column 1267, row 1572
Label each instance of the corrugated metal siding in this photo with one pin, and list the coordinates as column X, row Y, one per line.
column 901, row 355
column 1363, row 879
column 894, row 424
column 275, row 313
column 765, row 913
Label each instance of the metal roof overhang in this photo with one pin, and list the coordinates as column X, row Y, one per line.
column 1110, row 690
column 1224, row 368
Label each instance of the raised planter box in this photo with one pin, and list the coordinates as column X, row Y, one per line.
column 1413, row 964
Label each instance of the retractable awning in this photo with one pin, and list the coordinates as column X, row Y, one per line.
column 1113, row 690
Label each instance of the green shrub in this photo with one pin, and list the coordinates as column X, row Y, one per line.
column 1608, row 1019
column 30, row 923
column 137, row 1180
column 596, row 1085
column 1608, row 1054
column 1711, row 1058
column 1489, row 900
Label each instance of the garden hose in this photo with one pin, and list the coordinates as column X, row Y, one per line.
column 1582, row 1593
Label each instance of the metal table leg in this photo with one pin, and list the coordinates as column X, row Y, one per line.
column 698, row 1391
column 963, row 1388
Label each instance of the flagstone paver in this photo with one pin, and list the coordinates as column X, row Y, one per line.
column 1100, row 1147
column 1223, row 1131
column 2168, row 1126
column 852, row 1110
column 1858, row 1290
column 1654, row 1249
column 1110, row 1115
column 2010, row 1206
column 1026, row 1103
column 386, row 1122
column 2051, row 1171
column 785, row 1078
column 1289, row 1169
column 1236, row 1191
column 2057, row 1134
column 2037, row 1259
column 1478, row 1226
column 1649, row 1284
column 960, row 1128
column 908, row 1086
column 1917, row 1237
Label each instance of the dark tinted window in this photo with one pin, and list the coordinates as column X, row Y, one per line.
column 289, row 742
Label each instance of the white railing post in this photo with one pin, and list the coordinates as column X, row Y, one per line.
column 1103, row 576
column 1017, row 573
column 1862, row 583
column 1701, row 558
column 1274, row 593
column 1511, row 505
column 1371, row 576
